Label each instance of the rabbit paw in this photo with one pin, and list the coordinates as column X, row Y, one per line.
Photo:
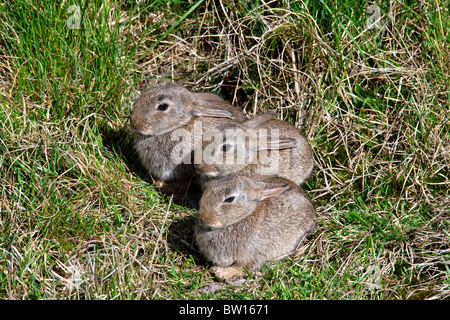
column 228, row 274
column 173, row 186
column 159, row 184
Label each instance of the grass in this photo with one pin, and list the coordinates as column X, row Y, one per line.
column 79, row 217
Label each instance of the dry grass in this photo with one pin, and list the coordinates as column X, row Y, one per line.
column 79, row 216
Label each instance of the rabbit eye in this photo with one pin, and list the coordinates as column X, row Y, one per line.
column 229, row 200
column 226, row 147
column 163, row 107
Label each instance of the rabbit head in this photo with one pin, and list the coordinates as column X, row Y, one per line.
column 236, row 146
column 227, row 149
column 166, row 107
column 230, row 199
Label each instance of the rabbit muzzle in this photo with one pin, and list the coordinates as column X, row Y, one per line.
column 138, row 125
column 207, row 170
column 208, row 218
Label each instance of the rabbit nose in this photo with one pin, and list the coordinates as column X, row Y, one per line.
column 208, row 218
column 139, row 125
column 134, row 122
column 207, row 169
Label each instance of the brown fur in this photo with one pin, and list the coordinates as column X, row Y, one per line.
column 152, row 128
column 269, row 217
column 295, row 158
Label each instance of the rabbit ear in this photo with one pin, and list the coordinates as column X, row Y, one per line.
column 271, row 189
column 254, row 182
column 280, row 144
column 262, row 177
column 265, row 189
column 208, row 109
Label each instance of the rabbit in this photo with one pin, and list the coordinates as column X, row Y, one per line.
column 166, row 114
column 288, row 155
column 244, row 221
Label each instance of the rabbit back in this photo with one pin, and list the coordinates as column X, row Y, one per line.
column 295, row 164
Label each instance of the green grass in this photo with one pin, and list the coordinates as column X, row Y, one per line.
column 80, row 218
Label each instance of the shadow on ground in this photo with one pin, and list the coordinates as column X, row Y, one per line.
column 119, row 141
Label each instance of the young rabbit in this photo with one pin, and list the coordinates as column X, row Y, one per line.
column 244, row 221
column 163, row 118
column 261, row 145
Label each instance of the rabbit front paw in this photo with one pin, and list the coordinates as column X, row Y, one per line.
column 228, row 274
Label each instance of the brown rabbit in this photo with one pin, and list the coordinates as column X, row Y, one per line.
column 164, row 117
column 245, row 221
column 261, row 145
